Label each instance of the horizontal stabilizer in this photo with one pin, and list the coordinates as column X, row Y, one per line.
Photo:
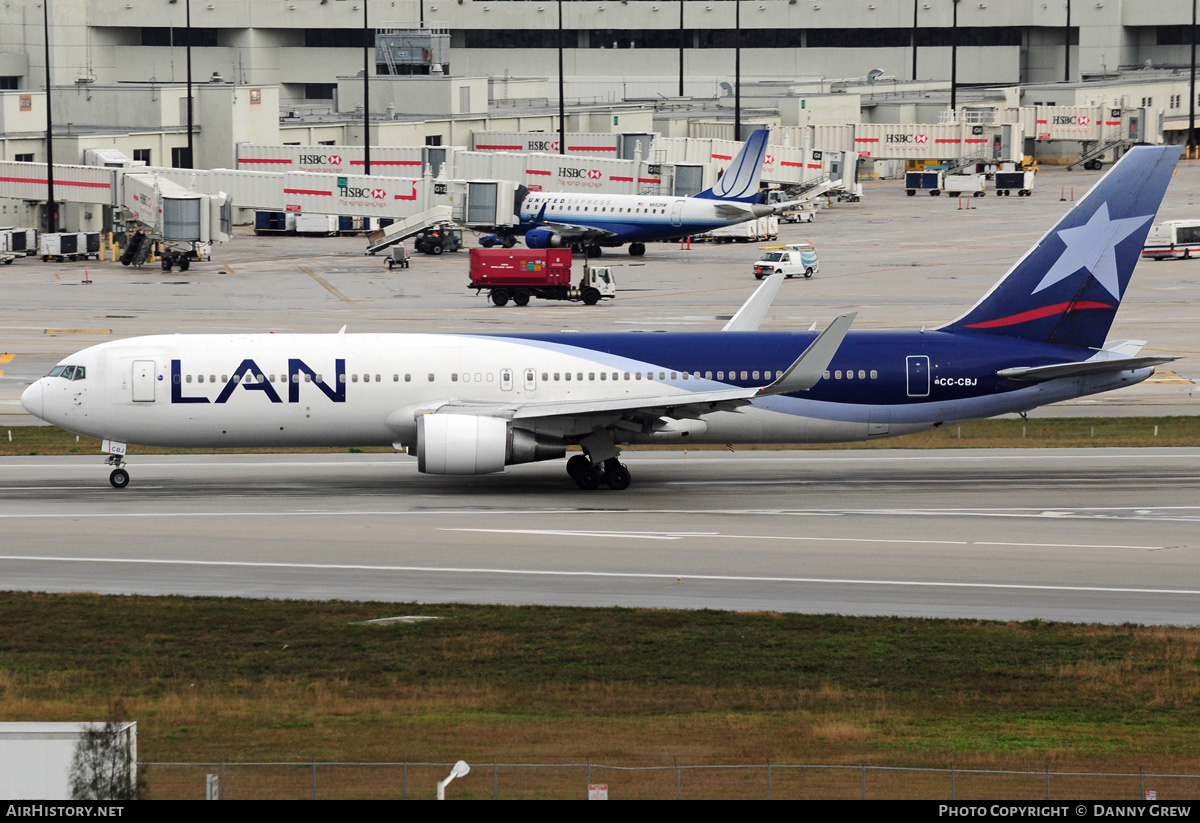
column 1034, row 373
column 750, row 316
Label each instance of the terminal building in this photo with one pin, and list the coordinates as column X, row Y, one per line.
column 442, row 72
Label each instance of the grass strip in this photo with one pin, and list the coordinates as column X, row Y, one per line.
column 241, row 680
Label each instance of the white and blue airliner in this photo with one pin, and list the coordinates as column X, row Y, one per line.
column 592, row 222
column 473, row 403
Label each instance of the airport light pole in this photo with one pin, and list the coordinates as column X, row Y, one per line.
column 562, row 105
column 191, row 157
column 954, row 61
column 737, row 70
column 681, row 45
column 916, row 5
column 1067, row 47
column 51, row 204
column 366, row 93
column 1192, row 89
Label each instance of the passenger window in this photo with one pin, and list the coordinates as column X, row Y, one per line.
column 453, row 377
column 744, row 377
column 557, row 377
column 579, row 375
column 862, row 375
column 545, row 376
column 408, row 378
column 637, row 376
column 825, row 376
column 307, row 377
column 188, row 379
column 237, row 378
column 591, row 375
column 874, row 374
column 603, row 375
column 377, row 378
column 626, row 375
column 567, row 376
column 754, row 374
column 720, row 375
column 431, row 377
column 708, row 375
column 175, row 379
column 353, row 378
column 837, row 375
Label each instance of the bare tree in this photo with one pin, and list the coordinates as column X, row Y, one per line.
column 103, row 767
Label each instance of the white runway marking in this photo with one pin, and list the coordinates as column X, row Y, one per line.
column 809, row 538
column 672, row 577
column 593, row 533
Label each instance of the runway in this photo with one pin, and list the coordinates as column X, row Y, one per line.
column 1104, row 535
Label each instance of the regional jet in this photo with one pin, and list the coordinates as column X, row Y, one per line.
column 591, row 222
column 474, row 403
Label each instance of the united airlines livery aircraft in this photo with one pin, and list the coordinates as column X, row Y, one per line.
column 593, row 221
column 474, row 403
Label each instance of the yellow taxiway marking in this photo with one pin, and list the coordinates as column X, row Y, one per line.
column 6, row 358
column 1167, row 376
column 78, row 331
column 330, row 288
column 229, row 269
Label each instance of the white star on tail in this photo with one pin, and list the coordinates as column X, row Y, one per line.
column 1091, row 246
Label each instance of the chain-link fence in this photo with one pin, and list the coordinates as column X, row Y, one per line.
column 563, row 781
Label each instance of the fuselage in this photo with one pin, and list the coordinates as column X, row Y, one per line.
column 369, row 389
column 633, row 218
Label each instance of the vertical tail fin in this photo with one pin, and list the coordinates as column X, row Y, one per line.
column 1067, row 288
column 740, row 181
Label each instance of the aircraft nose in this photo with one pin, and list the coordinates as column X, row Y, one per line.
column 31, row 399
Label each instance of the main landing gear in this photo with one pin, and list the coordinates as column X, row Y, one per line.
column 589, row 476
column 119, row 477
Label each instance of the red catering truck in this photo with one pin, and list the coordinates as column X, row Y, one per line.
column 519, row 274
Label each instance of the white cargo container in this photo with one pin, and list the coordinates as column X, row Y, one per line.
column 325, row 225
column 19, row 241
column 958, row 184
column 72, row 245
column 760, row 228
column 35, row 758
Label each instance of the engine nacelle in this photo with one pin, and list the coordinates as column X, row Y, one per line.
column 471, row 444
column 543, row 239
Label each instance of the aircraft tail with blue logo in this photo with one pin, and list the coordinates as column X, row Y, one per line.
column 1066, row 289
column 739, row 183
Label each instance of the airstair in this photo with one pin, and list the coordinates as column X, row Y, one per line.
column 1097, row 150
column 402, row 230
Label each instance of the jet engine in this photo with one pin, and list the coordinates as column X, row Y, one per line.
column 471, row 444
column 544, row 239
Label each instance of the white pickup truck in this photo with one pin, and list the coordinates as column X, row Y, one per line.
column 789, row 260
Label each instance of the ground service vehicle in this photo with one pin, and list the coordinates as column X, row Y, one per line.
column 1173, row 238
column 438, row 239
column 800, row 213
column 519, row 274
column 933, row 180
column 397, row 256
column 73, row 245
column 1008, row 181
column 789, row 260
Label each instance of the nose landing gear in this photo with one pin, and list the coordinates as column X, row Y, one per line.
column 119, row 477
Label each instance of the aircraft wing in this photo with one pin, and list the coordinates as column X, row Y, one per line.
column 571, row 232
column 735, row 211
column 1057, row 370
column 644, row 410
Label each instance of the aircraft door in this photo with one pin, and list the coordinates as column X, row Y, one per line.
column 143, row 381
column 918, row 375
column 506, row 379
column 677, row 213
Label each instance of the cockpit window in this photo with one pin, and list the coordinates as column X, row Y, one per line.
column 80, row 373
column 56, row 371
column 69, row 372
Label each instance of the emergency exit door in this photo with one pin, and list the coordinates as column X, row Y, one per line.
column 918, row 375
column 143, row 381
